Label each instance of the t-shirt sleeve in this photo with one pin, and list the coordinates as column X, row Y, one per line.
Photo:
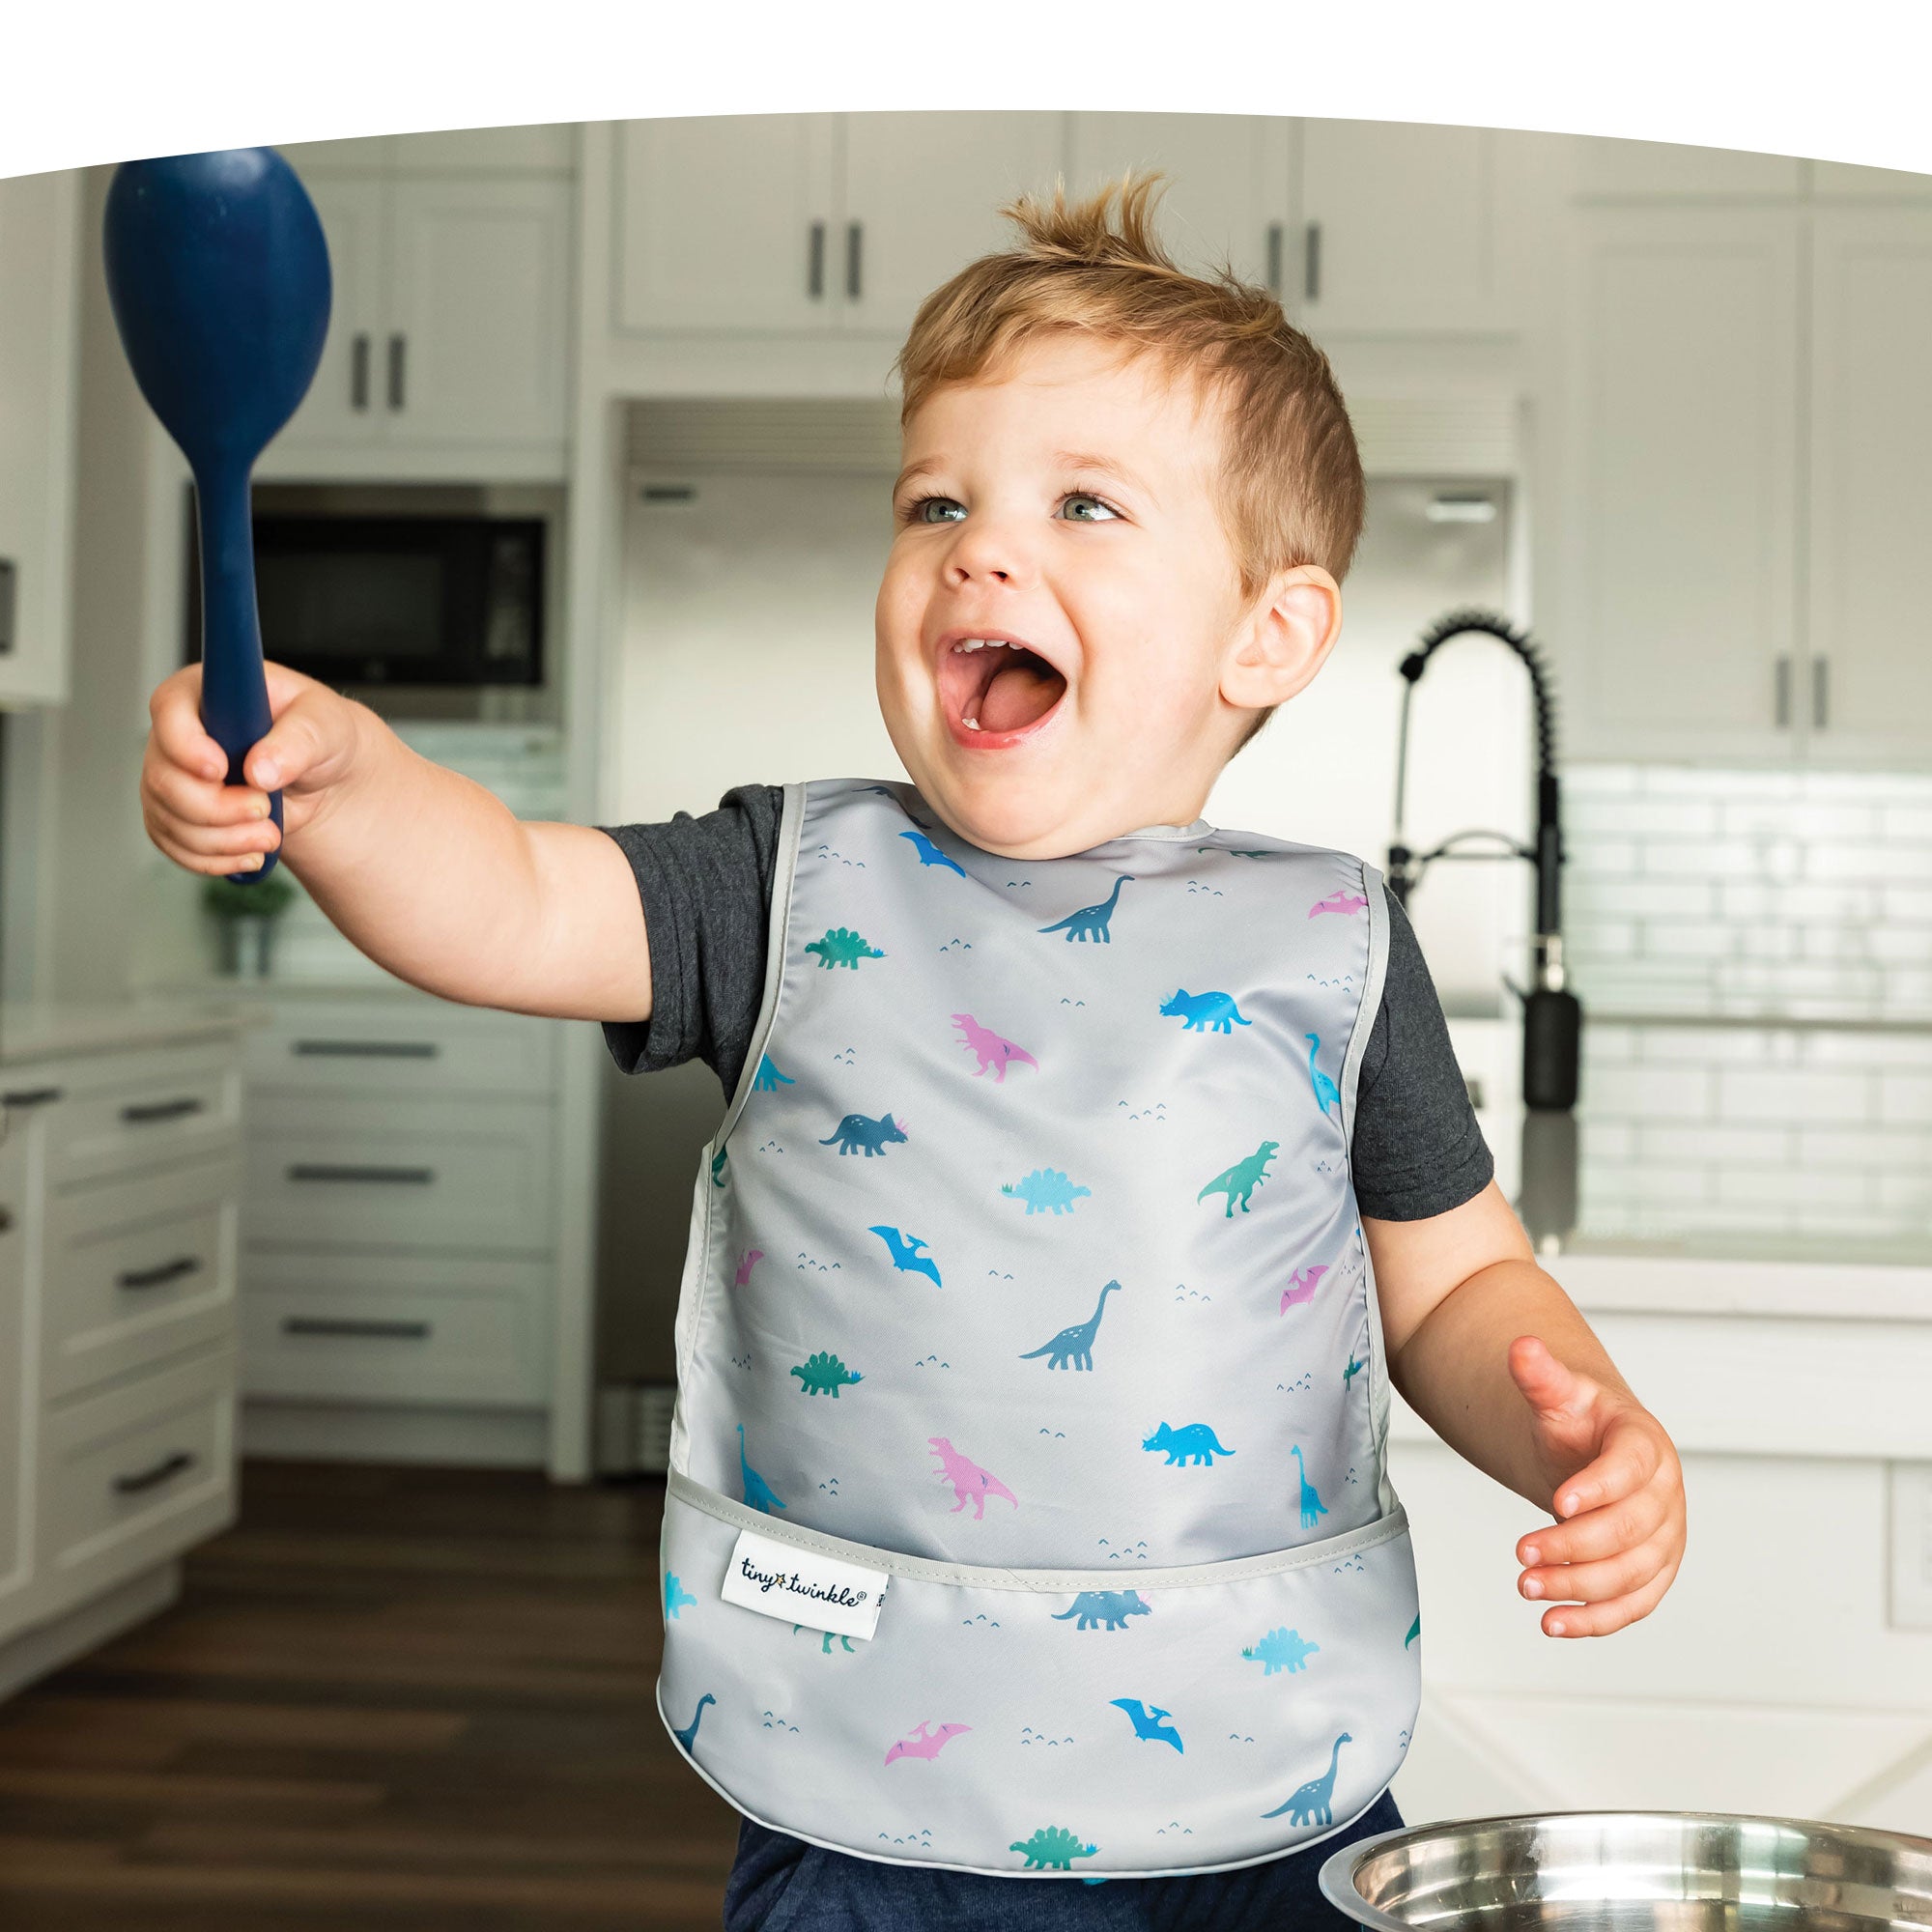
column 1417, row 1148
column 707, row 888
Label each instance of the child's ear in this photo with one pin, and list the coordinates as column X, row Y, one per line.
column 1283, row 640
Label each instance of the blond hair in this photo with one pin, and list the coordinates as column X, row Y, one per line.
column 1290, row 485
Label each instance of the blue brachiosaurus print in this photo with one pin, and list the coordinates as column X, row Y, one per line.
column 688, row 1736
column 1312, row 1803
column 758, row 1491
column 1313, row 1508
column 1325, row 1090
column 1204, row 1013
column 768, row 1079
column 1073, row 1345
column 929, row 854
column 904, row 1250
column 1090, row 922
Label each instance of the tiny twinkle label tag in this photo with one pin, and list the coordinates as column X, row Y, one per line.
column 801, row 1586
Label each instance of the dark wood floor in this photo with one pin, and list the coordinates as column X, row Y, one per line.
column 388, row 1698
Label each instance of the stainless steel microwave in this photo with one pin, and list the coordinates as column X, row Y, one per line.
column 396, row 599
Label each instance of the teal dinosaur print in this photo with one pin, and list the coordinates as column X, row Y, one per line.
column 1241, row 1179
column 1075, row 1345
column 1105, row 1609
column 1312, row 1803
column 929, row 854
column 768, row 1079
column 1044, row 1189
column 1052, row 1849
column 1414, row 1630
column 1353, row 1369
column 1281, row 1650
column 758, row 1491
column 1204, row 1013
column 676, row 1596
column 718, row 1167
column 1325, row 1090
column 1090, row 922
column 856, row 1133
column 1313, row 1508
column 904, row 1250
column 825, row 1648
column 1149, row 1721
column 688, row 1736
column 824, row 1373
column 1196, row 1443
column 842, row 947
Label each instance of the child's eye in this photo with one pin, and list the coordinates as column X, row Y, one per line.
column 1076, row 514
column 919, row 510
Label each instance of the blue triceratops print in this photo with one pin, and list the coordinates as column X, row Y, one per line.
column 929, row 854
column 1105, row 1609
column 1204, row 1013
column 1195, row 1443
column 856, row 1133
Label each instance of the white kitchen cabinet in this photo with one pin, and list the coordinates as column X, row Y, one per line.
column 1868, row 695
column 40, row 341
column 1227, row 197
column 17, row 1369
column 543, row 148
column 1642, row 170
column 1840, row 181
column 448, row 349
column 1669, row 575
column 1398, row 230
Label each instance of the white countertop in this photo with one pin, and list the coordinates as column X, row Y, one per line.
column 34, row 1030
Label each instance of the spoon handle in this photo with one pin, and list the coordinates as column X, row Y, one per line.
column 234, row 688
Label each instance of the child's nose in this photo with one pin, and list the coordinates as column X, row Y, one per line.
column 988, row 552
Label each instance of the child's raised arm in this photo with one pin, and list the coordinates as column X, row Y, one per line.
column 424, row 870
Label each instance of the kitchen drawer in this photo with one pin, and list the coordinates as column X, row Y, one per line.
column 140, row 1110
column 134, row 1476
column 354, row 1173
column 138, row 1268
column 428, row 1050
column 394, row 1328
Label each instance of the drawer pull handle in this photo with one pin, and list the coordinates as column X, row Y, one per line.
column 369, row 1049
column 413, row 1177
column 168, row 1465
column 29, row 1097
column 154, row 1277
column 143, row 1111
column 397, row 1331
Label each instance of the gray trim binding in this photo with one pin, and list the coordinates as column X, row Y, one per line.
column 976, row 1577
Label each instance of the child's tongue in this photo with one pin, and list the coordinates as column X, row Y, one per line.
column 1019, row 693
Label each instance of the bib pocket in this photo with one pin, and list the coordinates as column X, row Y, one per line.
column 1059, row 1724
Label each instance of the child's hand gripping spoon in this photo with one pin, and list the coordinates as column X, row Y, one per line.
column 218, row 277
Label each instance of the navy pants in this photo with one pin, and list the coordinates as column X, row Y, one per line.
column 780, row 1884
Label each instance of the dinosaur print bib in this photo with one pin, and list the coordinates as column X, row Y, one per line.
column 1026, row 1300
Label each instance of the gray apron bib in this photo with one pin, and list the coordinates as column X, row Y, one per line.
column 1028, row 1509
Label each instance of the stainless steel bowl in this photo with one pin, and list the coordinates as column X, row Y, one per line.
column 1619, row 1871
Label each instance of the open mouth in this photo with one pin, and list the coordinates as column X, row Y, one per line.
column 995, row 690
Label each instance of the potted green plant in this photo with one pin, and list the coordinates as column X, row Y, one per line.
column 247, row 916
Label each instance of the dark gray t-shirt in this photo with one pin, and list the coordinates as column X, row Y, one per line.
column 706, row 886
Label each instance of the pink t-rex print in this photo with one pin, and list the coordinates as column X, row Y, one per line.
column 994, row 1049
column 752, row 1256
column 1304, row 1279
column 1340, row 901
column 970, row 1482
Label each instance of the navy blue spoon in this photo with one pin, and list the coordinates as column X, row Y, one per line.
column 218, row 276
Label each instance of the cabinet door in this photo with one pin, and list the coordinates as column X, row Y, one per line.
column 543, row 148
column 1870, row 689
column 1674, row 513
column 1619, row 169
column 18, row 1371
column 1399, row 229
column 39, row 328
column 717, row 216
column 343, row 405
column 922, row 193
column 1227, row 196
column 477, row 345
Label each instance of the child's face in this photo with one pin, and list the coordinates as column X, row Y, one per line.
column 1070, row 506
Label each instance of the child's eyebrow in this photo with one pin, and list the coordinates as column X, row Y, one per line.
column 1107, row 465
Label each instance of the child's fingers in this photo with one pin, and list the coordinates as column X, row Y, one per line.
column 179, row 794
column 175, row 706
column 1612, row 1577
column 1600, row 1619
column 1629, row 1457
column 1599, row 1532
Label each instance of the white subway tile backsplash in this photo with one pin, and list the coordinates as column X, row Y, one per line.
column 1699, row 858
column 1639, row 898
column 1627, row 816
column 1707, row 1144
column 1905, row 1098
column 1868, row 1148
column 1662, row 941
column 1651, row 1092
column 1867, row 860
column 1794, row 1093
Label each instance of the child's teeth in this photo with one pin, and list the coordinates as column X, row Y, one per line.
column 972, row 724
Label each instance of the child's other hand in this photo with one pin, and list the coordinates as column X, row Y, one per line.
column 1617, row 1489
column 204, row 823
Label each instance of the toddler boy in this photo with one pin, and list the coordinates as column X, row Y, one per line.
column 1026, row 1045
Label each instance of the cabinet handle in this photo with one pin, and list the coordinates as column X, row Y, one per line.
column 29, row 1097
column 358, row 373
column 1310, row 262
column 413, row 1177
column 1820, row 706
column 154, row 1277
column 388, row 1331
column 1784, row 688
column 814, row 273
column 854, row 249
column 6, row 1219
column 396, row 372
column 368, row 1049
column 1275, row 238
column 168, row 1465
column 139, row 1113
